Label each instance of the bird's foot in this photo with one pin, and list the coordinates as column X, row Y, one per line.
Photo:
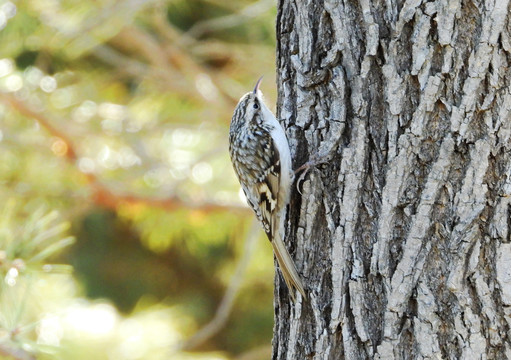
column 315, row 160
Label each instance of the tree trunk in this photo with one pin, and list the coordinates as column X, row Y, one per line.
column 403, row 237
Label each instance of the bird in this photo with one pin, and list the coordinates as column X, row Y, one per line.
column 261, row 159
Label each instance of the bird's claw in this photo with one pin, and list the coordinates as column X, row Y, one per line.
column 315, row 160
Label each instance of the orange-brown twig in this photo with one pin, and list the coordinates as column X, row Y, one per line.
column 24, row 110
column 101, row 195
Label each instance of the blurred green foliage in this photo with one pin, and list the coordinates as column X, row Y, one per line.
column 121, row 226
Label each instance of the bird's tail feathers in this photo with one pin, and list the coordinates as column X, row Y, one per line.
column 287, row 267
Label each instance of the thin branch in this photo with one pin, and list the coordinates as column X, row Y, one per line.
column 24, row 110
column 101, row 194
column 128, row 7
column 231, row 20
column 171, row 56
column 106, row 198
column 140, row 70
column 225, row 307
column 136, row 39
column 165, row 29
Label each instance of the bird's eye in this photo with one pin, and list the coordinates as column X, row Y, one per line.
column 256, row 106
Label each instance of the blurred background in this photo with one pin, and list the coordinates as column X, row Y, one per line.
column 123, row 234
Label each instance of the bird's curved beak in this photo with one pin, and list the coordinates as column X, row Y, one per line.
column 256, row 88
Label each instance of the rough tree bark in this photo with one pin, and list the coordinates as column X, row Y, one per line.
column 403, row 238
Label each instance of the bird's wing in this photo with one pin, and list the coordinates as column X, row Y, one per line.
column 263, row 195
